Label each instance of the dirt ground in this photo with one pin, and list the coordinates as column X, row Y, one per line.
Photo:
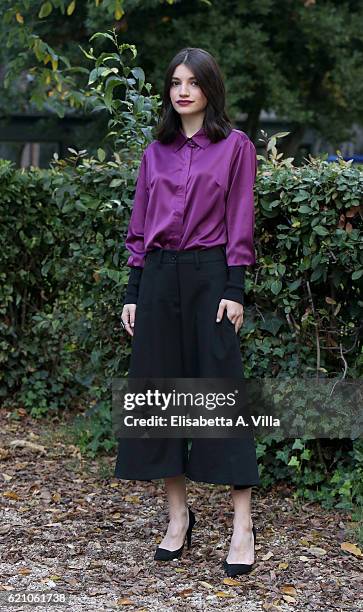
column 69, row 527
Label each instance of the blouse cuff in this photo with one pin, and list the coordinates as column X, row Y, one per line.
column 234, row 288
column 132, row 289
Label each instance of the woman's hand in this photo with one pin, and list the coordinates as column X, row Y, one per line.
column 128, row 317
column 234, row 313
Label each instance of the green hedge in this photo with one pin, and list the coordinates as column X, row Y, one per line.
column 63, row 271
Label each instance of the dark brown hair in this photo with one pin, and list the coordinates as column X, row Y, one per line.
column 216, row 122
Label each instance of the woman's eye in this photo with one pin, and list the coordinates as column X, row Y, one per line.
column 174, row 83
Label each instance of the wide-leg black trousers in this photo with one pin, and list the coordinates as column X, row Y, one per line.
column 176, row 335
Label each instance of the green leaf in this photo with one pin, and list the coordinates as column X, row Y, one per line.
column 101, row 154
column 98, row 72
column 302, row 195
column 116, row 182
column 316, row 260
column 298, row 444
column 276, row 287
column 281, row 134
column 272, row 325
column 112, row 82
column 319, row 229
column 139, row 75
column 103, row 35
column 45, row 10
column 294, row 285
column 318, row 273
column 281, row 268
column 294, row 461
column 71, row 7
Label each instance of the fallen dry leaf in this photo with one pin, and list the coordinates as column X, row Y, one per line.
column 316, row 551
column 283, row 565
column 288, row 590
column 134, row 499
column 11, row 495
column 27, row 444
column 267, row 556
column 351, row 548
column 185, row 592
column 231, row 582
column 289, row 599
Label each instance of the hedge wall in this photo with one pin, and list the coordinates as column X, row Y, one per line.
column 63, row 272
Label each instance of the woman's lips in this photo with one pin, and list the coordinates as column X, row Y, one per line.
column 184, row 103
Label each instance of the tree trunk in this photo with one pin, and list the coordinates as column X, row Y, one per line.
column 252, row 125
column 290, row 144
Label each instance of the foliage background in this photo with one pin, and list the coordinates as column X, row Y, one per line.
column 64, row 270
column 63, row 264
column 302, row 59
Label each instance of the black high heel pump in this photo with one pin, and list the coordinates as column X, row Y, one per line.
column 233, row 569
column 163, row 554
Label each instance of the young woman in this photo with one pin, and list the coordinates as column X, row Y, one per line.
column 190, row 237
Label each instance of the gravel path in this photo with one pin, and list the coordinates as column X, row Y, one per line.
column 67, row 526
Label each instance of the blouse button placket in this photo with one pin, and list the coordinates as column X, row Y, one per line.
column 179, row 214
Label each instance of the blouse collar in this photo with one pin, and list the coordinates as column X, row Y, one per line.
column 199, row 137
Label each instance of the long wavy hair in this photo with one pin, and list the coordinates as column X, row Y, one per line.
column 216, row 123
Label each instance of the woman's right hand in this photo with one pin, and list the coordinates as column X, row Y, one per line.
column 128, row 317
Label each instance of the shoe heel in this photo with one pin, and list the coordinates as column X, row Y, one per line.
column 162, row 554
column 254, row 534
column 190, row 528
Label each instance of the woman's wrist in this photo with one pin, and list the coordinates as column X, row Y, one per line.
column 234, row 288
column 132, row 289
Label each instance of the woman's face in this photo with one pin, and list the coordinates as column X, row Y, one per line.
column 185, row 87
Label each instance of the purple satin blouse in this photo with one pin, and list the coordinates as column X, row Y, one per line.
column 194, row 193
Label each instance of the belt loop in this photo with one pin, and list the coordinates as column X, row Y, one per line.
column 196, row 257
column 160, row 258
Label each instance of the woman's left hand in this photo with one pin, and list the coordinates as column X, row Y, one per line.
column 234, row 313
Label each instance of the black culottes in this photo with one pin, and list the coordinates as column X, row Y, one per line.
column 176, row 335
